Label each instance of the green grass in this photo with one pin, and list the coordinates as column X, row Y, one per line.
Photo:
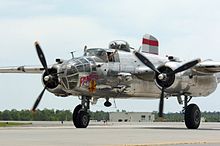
column 10, row 124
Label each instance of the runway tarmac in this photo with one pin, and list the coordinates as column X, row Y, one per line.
column 110, row 134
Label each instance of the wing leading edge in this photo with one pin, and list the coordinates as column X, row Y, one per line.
column 208, row 67
column 22, row 69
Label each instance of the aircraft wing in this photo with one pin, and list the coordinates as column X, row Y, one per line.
column 208, row 67
column 22, row 69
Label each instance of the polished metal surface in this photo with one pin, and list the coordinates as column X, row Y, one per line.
column 116, row 73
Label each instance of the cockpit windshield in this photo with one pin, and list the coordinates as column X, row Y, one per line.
column 98, row 54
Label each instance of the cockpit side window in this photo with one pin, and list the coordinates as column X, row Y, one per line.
column 113, row 56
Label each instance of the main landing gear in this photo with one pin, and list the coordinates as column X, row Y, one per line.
column 81, row 116
column 192, row 114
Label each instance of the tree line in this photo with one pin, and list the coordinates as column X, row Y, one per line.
column 66, row 115
column 179, row 117
column 47, row 115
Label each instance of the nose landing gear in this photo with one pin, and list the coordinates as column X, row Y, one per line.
column 80, row 115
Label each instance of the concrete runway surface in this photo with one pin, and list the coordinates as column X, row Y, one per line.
column 110, row 134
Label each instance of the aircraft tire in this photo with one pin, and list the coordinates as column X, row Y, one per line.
column 83, row 119
column 75, row 114
column 192, row 116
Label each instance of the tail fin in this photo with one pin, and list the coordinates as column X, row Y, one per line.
column 150, row 44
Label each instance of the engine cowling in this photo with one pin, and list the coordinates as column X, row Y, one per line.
column 51, row 79
column 52, row 82
column 166, row 82
column 172, row 83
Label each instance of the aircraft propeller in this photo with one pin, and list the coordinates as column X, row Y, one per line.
column 41, row 57
column 49, row 78
column 165, row 76
column 38, row 99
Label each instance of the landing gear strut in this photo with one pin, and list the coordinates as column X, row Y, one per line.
column 192, row 114
column 81, row 116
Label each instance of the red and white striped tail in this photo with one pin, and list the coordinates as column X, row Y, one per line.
column 150, row 44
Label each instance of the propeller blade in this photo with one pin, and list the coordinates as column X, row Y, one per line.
column 160, row 114
column 186, row 66
column 38, row 99
column 41, row 57
column 147, row 62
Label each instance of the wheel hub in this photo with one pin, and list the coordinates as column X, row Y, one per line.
column 85, row 120
column 197, row 116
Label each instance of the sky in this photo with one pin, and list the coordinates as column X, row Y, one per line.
column 185, row 28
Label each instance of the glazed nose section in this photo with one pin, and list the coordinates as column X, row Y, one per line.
column 70, row 76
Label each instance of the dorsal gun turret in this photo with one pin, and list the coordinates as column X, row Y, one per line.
column 119, row 45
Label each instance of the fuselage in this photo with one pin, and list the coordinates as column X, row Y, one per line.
column 109, row 73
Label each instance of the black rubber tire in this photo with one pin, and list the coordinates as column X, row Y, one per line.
column 75, row 114
column 83, row 119
column 192, row 116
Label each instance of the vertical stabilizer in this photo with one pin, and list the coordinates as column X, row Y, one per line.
column 150, row 44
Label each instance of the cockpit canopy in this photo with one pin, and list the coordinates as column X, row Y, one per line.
column 103, row 55
column 98, row 54
column 119, row 45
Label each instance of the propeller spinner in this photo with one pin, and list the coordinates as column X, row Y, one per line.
column 165, row 76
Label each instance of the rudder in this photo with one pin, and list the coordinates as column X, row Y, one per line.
column 150, row 44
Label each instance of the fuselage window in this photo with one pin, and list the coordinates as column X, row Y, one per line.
column 80, row 68
column 87, row 67
column 113, row 56
column 83, row 60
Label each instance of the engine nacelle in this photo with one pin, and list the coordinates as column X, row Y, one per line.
column 53, row 84
column 58, row 91
column 185, row 82
column 170, row 81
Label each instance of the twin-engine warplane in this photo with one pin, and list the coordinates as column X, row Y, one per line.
column 121, row 71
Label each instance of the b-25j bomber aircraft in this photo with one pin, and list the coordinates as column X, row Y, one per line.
column 121, row 71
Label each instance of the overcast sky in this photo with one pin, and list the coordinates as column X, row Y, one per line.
column 185, row 28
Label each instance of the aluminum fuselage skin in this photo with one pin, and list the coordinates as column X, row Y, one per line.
column 127, row 77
